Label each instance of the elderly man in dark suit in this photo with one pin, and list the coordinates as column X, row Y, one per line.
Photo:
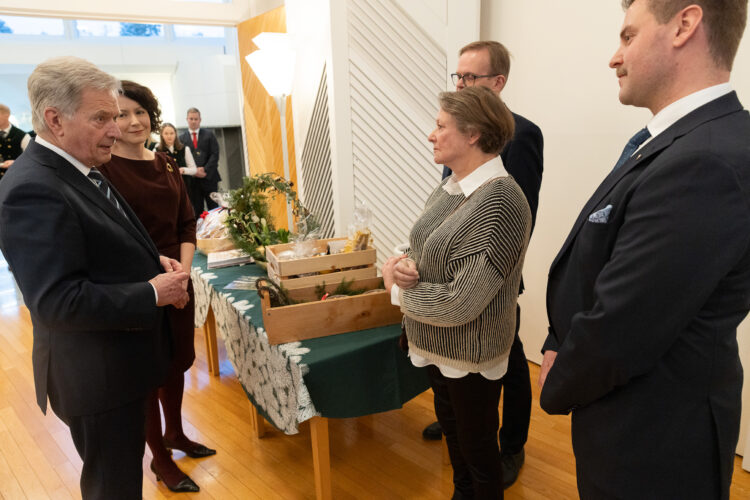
column 645, row 296
column 487, row 63
column 205, row 149
column 90, row 276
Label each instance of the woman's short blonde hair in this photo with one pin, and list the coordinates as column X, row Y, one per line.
column 480, row 110
column 60, row 82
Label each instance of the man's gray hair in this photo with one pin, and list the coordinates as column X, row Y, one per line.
column 60, row 82
column 193, row 110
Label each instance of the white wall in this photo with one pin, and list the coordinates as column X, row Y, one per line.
column 560, row 80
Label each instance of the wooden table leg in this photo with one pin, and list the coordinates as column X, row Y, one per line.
column 321, row 457
column 256, row 422
column 212, row 350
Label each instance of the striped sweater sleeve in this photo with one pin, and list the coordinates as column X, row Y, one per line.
column 477, row 269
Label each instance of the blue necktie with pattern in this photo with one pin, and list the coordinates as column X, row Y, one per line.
column 632, row 146
column 103, row 186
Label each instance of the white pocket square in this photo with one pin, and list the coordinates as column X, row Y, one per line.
column 601, row 216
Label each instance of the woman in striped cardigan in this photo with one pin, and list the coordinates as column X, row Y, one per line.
column 458, row 283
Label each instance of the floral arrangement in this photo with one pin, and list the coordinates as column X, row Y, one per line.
column 249, row 220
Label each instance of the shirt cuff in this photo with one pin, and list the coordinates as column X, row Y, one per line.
column 394, row 295
column 156, row 294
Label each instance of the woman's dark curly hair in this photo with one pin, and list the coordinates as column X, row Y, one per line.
column 143, row 96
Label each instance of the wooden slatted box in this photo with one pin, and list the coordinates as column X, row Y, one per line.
column 318, row 318
column 337, row 267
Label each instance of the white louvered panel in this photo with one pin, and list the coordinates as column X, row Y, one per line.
column 395, row 74
column 317, row 193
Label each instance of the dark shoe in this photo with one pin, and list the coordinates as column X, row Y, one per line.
column 183, row 485
column 511, row 465
column 193, row 450
column 433, row 432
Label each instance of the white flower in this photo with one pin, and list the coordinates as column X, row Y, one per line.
column 255, row 218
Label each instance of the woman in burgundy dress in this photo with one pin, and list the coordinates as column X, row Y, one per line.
column 152, row 185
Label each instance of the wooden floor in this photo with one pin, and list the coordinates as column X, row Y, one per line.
column 379, row 456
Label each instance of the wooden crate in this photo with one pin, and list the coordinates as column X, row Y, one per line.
column 318, row 318
column 281, row 270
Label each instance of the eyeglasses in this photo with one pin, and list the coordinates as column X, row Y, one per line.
column 468, row 78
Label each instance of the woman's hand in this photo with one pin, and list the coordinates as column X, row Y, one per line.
column 182, row 170
column 388, row 272
column 405, row 274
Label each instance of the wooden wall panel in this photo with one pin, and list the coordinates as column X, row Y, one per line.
column 262, row 129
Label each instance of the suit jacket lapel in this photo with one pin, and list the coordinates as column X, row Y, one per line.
column 73, row 176
column 715, row 109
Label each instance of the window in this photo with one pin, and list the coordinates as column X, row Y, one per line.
column 113, row 29
column 31, row 26
column 188, row 30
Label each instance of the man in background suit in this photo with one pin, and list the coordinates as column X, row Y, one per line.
column 13, row 140
column 90, row 276
column 488, row 64
column 645, row 296
column 205, row 150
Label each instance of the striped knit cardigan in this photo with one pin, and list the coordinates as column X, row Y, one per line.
column 469, row 253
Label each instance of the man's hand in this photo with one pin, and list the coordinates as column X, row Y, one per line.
column 547, row 362
column 170, row 265
column 6, row 163
column 405, row 273
column 200, row 173
column 170, row 287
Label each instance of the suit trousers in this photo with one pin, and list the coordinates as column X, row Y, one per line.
column 200, row 196
column 516, row 397
column 111, row 445
column 466, row 408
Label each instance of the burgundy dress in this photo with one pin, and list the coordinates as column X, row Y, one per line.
column 155, row 191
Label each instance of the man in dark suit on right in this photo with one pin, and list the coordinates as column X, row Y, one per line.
column 205, row 149
column 487, row 64
column 645, row 296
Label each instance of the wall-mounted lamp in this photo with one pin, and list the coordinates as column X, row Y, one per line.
column 273, row 64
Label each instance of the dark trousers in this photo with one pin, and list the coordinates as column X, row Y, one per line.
column 467, row 411
column 200, row 195
column 516, row 397
column 111, row 445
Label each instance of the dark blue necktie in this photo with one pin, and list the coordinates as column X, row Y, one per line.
column 632, row 146
column 103, row 186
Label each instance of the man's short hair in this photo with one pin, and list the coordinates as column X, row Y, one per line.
column 60, row 82
column 5, row 110
column 194, row 110
column 479, row 110
column 499, row 55
column 724, row 19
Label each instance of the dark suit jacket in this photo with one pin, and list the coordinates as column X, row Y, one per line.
column 523, row 159
column 206, row 155
column 99, row 339
column 643, row 311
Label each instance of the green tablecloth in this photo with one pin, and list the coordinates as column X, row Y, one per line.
column 339, row 376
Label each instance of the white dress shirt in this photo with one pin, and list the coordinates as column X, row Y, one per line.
column 681, row 107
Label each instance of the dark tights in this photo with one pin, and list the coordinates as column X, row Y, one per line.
column 170, row 396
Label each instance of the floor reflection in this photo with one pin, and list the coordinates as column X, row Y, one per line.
column 10, row 295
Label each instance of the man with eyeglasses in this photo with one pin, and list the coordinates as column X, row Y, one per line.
column 487, row 63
